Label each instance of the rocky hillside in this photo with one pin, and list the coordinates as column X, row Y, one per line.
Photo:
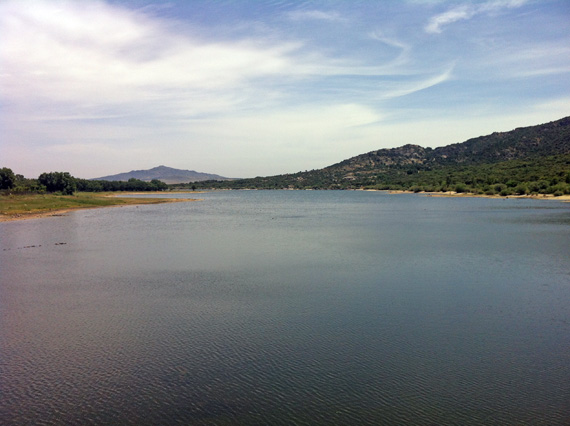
column 526, row 142
column 533, row 159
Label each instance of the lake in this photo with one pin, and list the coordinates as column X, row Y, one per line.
column 289, row 307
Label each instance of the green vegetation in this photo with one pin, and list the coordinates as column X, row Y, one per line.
column 58, row 182
column 549, row 175
column 57, row 191
column 25, row 204
column 7, row 178
column 115, row 185
column 65, row 184
column 531, row 160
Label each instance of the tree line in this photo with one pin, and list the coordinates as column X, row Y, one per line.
column 66, row 184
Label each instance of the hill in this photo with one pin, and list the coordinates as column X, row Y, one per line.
column 526, row 142
column 534, row 159
column 165, row 174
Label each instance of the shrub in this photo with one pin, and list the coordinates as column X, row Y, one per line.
column 521, row 189
column 459, row 188
column 533, row 187
column 561, row 187
column 543, row 184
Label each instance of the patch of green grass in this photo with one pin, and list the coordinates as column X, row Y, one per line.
column 38, row 203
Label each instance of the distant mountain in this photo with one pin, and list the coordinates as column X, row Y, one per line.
column 534, row 157
column 165, row 174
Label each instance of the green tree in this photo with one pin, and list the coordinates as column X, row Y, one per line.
column 58, row 182
column 134, row 184
column 7, row 178
column 158, row 185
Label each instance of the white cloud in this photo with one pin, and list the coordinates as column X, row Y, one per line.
column 468, row 11
column 413, row 87
column 319, row 15
column 90, row 53
column 64, row 59
column 453, row 15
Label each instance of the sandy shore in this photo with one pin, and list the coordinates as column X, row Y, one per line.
column 564, row 198
column 64, row 212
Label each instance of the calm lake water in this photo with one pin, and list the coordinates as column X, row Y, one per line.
column 289, row 307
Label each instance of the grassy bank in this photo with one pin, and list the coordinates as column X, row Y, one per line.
column 35, row 205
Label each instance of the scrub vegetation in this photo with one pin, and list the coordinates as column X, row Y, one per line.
column 530, row 160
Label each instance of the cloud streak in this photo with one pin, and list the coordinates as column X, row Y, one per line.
column 316, row 15
column 468, row 11
column 423, row 84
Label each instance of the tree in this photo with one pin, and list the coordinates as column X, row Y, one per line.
column 7, row 178
column 158, row 185
column 58, row 182
column 134, row 184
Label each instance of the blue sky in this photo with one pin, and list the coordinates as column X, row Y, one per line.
column 257, row 88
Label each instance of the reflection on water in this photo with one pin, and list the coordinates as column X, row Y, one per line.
column 285, row 307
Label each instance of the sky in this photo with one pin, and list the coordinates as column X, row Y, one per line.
column 258, row 88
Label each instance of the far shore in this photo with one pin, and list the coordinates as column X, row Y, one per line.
column 563, row 198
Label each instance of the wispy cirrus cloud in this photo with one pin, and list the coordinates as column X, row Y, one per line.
column 468, row 11
column 537, row 59
column 319, row 15
column 422, row 84
column 403, row 49
column 453, row 15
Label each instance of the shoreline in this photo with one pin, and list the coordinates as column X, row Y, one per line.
column 143, row 201
column 58, row 212
column 451, row 194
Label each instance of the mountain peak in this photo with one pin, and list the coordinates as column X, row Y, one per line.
column 165, row 174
